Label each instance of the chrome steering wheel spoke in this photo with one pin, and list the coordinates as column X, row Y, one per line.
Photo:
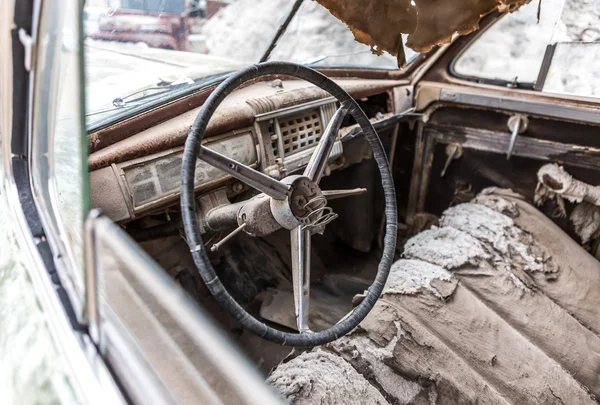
column 300, row 242
column 318, row 161
column 335, row 194
column 263, row 183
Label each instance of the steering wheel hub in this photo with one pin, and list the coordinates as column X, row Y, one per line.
column 305, row 198
column 304, row 203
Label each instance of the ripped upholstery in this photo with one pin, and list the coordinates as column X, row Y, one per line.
column 497, row 305
column 381, row 23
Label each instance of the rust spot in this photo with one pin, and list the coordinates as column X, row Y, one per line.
column 552, row 183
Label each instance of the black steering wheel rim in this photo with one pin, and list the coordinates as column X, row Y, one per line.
column 192, row 230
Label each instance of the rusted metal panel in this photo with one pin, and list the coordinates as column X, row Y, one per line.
column 492, row 141
column 123, row 129
column 543, row 128
column 497, row 142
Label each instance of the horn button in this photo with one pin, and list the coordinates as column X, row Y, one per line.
column 304, row 205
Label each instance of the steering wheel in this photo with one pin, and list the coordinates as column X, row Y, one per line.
column 296, row 203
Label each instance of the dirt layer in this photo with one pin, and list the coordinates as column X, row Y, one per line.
column 495, row 306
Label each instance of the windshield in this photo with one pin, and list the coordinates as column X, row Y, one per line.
column 140, row 53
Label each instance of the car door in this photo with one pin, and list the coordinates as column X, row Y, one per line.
column 489, row 121
column 42, row 349
column 65, row 336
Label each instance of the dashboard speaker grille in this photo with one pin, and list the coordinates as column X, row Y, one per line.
column 299, row 132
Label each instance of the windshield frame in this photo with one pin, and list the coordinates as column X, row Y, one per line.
column 486, row 24
column 214, row 80
column 147, row 116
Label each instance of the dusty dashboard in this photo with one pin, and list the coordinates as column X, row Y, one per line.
column 284, row 129
column 278, row 143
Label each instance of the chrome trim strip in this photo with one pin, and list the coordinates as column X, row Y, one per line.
column 184, row 312
column 497, row 101
column 293, row 109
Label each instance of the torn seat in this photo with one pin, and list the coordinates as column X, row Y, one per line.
column 497, row 305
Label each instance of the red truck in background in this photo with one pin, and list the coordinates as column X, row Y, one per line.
column 165, row 24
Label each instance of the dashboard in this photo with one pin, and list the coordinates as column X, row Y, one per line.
column 285, row 128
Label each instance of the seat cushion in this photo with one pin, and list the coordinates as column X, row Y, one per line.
column 496, row 305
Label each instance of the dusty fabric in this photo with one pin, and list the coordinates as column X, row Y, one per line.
column 487, row 308
column 381, row 23
column 586, row 221
column 413, row 276
column 493, row 197
column 499, row 230
column 322, row 378
column 575, row 284
column 432, row 245
column 555, row 183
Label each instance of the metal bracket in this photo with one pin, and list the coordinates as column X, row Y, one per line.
column 454, row 151
column 209, row 203
column 29, row 45
column 517, row 124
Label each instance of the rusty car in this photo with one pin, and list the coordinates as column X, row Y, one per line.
column 332, row 202
column 159, row 24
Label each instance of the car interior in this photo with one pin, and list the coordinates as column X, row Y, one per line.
column 487, row 177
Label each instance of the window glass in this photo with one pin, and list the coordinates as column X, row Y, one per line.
column 167, row 6
column 566, row 40
column 574, row 69
column 59, row 143
column 512, row 49
column 137, row 57
column 32, row 368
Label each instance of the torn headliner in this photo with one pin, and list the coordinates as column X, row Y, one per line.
column 381, row 23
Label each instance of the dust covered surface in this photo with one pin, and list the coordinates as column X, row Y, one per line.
column 586, row 221
column 381, row 23
column 446, row 247
column 412, row 276
column 556, row 184
column 478, row 311
column 322, row 378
